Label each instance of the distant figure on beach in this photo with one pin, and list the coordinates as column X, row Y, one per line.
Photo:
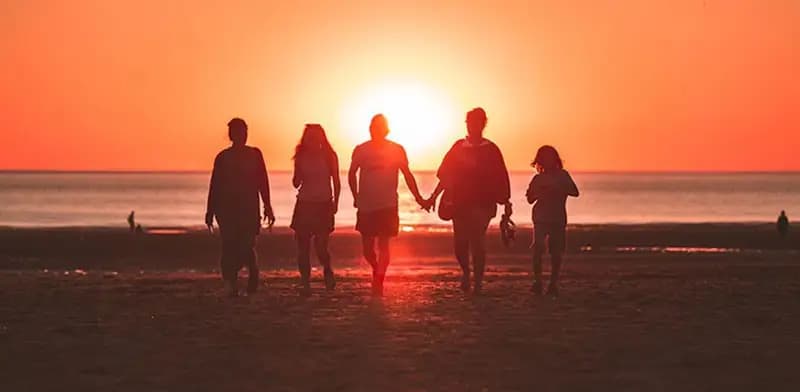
column 238, row 179
column 316, row 177
column 474, row 179
column 373, row 178
column 548, row 193
column 139, row 229
column 783, row 224
column 132, row 221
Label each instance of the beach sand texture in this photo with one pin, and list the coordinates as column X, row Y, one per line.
column 625, row 320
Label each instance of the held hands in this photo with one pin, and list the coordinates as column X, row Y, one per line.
column 425, row 204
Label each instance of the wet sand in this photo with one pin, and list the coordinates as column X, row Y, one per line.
column 625, row 321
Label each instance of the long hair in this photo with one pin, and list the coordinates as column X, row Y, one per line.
column 548, row 159
column 306, row 146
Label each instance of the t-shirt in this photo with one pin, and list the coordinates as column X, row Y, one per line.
column 475, row 175
column 238, row 177
column 379, row 164
column 548, row 191
column 315, row 173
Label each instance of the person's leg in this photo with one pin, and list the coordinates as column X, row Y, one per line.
column 461, row 248
column 304, row 258
column 477, row 241
column 321, row 247
column 228, row 264
column 250, row 259
column 384, row 258
column 556, row 242
column 368, row 244
column 538, row 252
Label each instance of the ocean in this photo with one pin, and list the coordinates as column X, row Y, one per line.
column 178, row 199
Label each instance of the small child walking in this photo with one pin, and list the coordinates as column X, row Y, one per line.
column 548, row 193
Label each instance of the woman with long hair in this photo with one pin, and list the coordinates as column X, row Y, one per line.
column 548, row 193
column 316, row 177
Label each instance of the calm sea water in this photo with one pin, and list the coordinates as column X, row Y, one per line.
column 170, row 199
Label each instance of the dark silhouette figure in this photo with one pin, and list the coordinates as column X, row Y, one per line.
column 548, row 193
column 316, row 177
column 238, row 179
column 139, row 230
column 474, row 179
column 132, row 221
column 373, row 181
column 783, row 224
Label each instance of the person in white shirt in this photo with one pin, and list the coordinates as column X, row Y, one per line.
column 316, row 177
column 373, row 178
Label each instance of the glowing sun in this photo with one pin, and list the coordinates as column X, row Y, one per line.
column 421, row 118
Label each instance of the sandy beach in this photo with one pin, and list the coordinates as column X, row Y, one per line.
column 102, row 309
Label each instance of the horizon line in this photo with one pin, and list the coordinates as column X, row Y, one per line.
column 511, row 171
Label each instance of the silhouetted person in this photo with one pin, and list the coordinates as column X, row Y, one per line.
column 373, row 181
column 239, row 177
column 783, row 224
column 139, row 229
column 548, row 193
column 474, row 179
column 132, row 222
column 316, row 177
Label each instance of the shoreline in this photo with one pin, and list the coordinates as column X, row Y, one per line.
column 190, row 248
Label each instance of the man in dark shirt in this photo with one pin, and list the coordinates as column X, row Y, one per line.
column 238, row 179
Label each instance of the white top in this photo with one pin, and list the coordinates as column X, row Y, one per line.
column 379, row 163
column 315, row 173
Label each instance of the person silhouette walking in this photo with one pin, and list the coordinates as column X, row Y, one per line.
column 474, row 179
column 373, row 180
column 238, row 180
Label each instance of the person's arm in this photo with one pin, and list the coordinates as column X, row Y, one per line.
column 410, row 180
column 337, row 182
column 572, row 189
column 352, row 177
column 412, row 186
column 504, row 186
column 211, row 205
column 297, row 177
column 530, row 194
column 263, row 189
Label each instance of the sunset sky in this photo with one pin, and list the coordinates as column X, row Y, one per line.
column 614, row 85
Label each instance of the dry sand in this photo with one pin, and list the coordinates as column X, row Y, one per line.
column 136, row 318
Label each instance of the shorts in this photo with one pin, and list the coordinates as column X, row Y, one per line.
column 379, row 223
column 472, row 222
column 313, row 217
column 555, row 235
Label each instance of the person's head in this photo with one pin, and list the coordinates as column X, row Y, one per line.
column 237, row 131
column 379, row 127
column 476, row 122
column 313, row 139
column 783, row 213
column 547, row 159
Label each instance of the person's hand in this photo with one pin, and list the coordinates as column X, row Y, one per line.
column 210, row 222
column 424, row 204
column 508, row 209
column 355, row 201
column 432, row 203
column 335, row 207
column 269, row 217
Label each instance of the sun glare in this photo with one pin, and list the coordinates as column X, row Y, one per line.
column 421, row 118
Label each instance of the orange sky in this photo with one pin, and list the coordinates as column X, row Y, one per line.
column 615, row 85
